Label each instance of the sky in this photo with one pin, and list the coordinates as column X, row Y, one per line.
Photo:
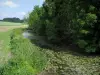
column 17, row 8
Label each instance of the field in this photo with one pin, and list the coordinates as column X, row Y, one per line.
column 5, row 30
column 25, row 55
column 16, row 52
column 2, row 23
column 6, row 26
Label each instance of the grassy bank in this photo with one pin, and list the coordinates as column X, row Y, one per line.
column 27, row 59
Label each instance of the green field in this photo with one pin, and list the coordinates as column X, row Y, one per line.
column 2, row 23
column 4, row 47
column 18, row 51
column 5, row 31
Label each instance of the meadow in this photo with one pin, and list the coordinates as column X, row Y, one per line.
column 5, row 31
column 17, row 54
column 2, row 23
column 6, row 26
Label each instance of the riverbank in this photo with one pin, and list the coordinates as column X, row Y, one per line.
column 30, row 59
column 64, row 61
column 27, row 59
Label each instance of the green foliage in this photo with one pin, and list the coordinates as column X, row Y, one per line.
column 92, row 8
column 16, row 20
column 82, row 43
column 91, row 18
column 65, row 21
column 4, row 49
column 50, row 31
column 28, row 59
column 36, row 22
column 26, row 17
column 18, row 67
column 84, row 32
column 90, row 49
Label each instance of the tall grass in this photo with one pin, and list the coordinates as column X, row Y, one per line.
column 27, row 59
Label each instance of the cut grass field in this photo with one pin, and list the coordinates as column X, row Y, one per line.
column 2, row 23
column 5, row 26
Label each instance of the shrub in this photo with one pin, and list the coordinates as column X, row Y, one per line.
column 1, row 71
column 82, row 43
column 17, row 66
column 90, row 49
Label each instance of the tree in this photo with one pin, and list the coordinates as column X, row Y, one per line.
column 13, row 20
column 36, row 22
column 26, row 18
column 68, row 21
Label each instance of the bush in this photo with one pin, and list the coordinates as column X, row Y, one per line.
column 82, row 43
column 17, row 66
column 90, row 49
column 1, row 71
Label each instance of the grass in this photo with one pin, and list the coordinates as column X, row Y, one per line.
column 4, row 47
column 5, row 26
column 61, row 62
column 5, row 51
column 27, row 59
column 18, row 56
column 2, row 23
column 5, row 38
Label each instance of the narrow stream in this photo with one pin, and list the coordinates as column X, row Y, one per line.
column 41, row 41
column 28, row 35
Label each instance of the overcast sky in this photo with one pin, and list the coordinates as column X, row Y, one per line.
column 17, row 8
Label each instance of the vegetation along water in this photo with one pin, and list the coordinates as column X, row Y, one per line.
column 59, row 37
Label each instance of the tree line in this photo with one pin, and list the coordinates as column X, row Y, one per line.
column 17, row 20
column 68, row 22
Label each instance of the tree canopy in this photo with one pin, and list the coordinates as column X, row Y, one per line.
column 68, row 21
